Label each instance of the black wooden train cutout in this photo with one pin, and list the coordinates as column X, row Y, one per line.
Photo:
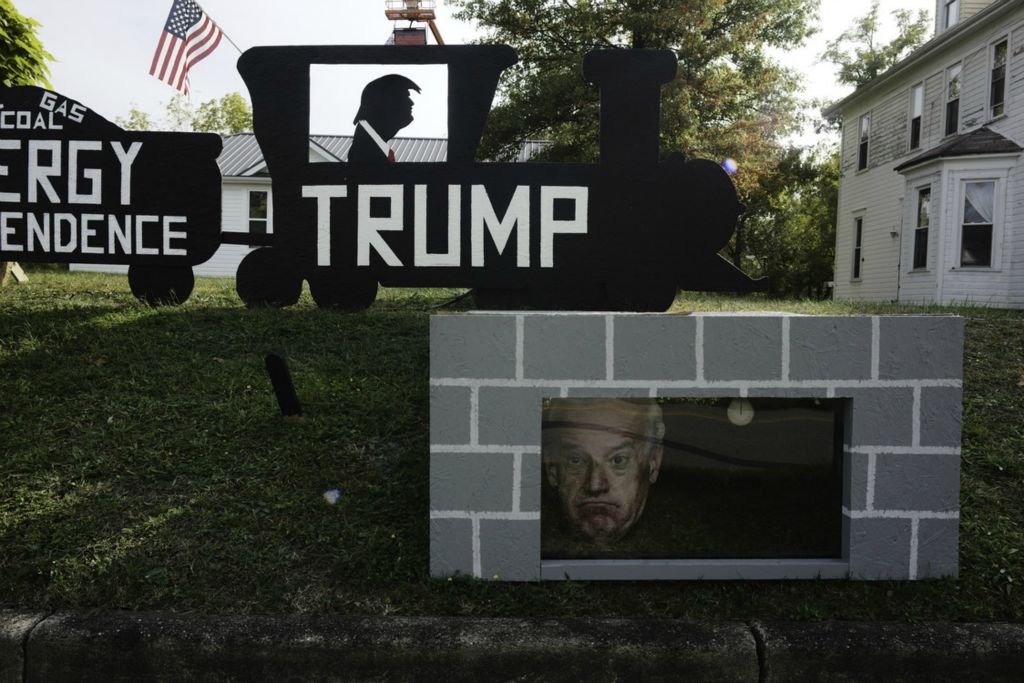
column 622, row 234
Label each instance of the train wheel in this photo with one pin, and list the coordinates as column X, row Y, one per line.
column 161, row 285
column 641, row 294
column 330, row 291
column 263, row 280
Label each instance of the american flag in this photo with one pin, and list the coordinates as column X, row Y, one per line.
column 189, row 37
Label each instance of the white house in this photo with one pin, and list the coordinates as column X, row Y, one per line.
column 931, row 195
column 247, row 202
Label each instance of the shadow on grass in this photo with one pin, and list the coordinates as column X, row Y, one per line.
column 145, row 466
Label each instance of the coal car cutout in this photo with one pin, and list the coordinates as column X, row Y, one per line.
column 76, row 188
column 622, row 234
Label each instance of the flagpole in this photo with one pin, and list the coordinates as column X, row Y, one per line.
column 223, row 32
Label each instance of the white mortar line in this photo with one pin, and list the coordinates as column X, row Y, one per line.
column 700, row 383
column 914, row 522
column 480, row 448
column 905, row 450
column 699, row 349
column 517, row 479
column 520, row 344
column 916, row 418
column 869, row 498
column 463, row 514
column 609, row 347
column 476, row 547
column 474, row 416
column 876, row 332
column 899, row 514
column 785, row 348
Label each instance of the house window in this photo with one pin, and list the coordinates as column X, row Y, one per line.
column 865, row 132
column 858, row 234
column 950, row 12
column 997, row 95
column 916, row 110
column 976, row 228
column 924, row 198
column 952, row 99
column 259, row 212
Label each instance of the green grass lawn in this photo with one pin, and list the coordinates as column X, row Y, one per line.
column 143, row 465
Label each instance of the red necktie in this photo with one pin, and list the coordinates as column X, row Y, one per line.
column 391, row 155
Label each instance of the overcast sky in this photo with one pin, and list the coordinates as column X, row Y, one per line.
column 103, row 49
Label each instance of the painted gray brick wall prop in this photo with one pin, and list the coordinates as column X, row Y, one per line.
column 557, row 347
column 855, row 476
column 474, row 346
column 941, row 412
column 491, row 474
column 830, row 348
column 880, row 548
column 510, row 416
column 906, row 481
column 742, row 347
column 921, row 347
column 529, row 482
column 655, row 347
column 509, row 549
column 883, row 416
column 937, row 548
column 451, row 547
column 450, row 414
column 900, row 375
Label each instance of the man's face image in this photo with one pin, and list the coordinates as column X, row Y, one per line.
column 600, row 457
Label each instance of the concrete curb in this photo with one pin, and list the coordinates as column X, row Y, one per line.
column 15, row 627
column 140, row 646
column 892, row 652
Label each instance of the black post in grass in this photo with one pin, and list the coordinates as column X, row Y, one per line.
column 284, row 389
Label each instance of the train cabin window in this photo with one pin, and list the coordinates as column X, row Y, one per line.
column 377, row 110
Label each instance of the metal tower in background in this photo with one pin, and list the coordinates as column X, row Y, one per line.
column 420, row 11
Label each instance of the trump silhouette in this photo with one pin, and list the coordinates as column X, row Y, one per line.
column 385, row 109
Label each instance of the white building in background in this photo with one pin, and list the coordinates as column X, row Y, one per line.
column 931, row 193
column 247, row 202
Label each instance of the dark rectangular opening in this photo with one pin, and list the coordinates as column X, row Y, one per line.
column 691, row 478
column 952, row 116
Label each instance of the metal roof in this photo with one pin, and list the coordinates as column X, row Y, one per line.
column 241, row 153
column 978, row 142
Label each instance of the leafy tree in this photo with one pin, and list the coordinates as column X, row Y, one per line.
column 790, row 234
column 136, row 120
column 22, row 62
column 859, row 55
column 729, row 95
column 22, row 59
column 229, row 115
column 178, row 114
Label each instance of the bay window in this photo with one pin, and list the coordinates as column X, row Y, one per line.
column 977, row 222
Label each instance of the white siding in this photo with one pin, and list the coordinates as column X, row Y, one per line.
column 968, row 8
column 878, row 191
column 974, row 89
